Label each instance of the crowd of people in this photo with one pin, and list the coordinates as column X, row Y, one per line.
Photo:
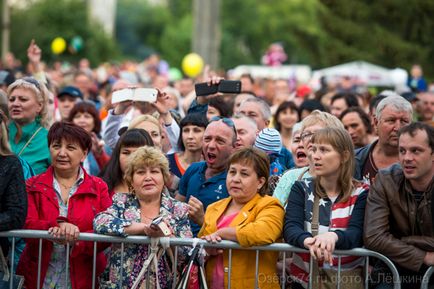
column 332, row 169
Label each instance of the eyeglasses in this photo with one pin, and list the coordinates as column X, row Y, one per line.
column 229, row 122
column 306, row 136
column 33, row 81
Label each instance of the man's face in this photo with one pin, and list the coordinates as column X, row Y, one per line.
column 217, row 145
column 246, row 133
column 83, row 83
column 338, row 106
column 416, row 157
column 426, row 107
column 65, row 105
column 355, row 127
column 253, row 110
column 388, row 124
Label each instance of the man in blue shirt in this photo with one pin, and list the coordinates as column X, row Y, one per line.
column 205, row 182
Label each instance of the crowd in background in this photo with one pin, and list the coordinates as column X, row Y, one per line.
column 335, row 168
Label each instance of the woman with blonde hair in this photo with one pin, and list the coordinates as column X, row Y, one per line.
column 27, row 105
column 326, row 212
column 151, row 125
column 133, row 214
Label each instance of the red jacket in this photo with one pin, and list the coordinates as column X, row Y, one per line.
column 90, row 198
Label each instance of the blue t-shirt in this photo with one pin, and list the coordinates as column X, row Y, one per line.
column 193, row 183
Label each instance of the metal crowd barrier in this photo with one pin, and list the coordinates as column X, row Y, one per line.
column 228, row 245
column 426, row 278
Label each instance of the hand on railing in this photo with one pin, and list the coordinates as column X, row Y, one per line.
column 65, row 232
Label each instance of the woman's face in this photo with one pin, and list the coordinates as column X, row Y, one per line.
column 23, row 106
column 153, row 130
column 123, row 157
column 243, row 182
column 298, row 152
column 212, row 112
column 66, row 155
column 84, row 120
column 148, row 182
column 192, row 136
column 287, row 118
column 306, row 136
column 326, row 160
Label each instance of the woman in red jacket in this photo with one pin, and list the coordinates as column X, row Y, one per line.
column 64, row 201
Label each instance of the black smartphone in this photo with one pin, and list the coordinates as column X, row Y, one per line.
column 205, row 89
column 230, row 86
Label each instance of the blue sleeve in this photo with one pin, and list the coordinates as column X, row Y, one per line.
column 293, row 230
column 286, row 159
column 352, row 237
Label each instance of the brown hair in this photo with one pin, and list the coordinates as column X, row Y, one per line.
column 256, row 158
column 85, row 106
column 70, row 132
column 341, row 141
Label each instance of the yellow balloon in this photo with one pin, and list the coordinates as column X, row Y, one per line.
column 192, row 64
column 58, row 45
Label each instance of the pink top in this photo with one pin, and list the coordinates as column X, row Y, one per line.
column 218, row 278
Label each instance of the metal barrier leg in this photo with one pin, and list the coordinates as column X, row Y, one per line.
column 283, row 280
column 366, row 272
column 94, row 265
column 175, row 274
column 11, row 283
column 230, row 268
column 339, row 272
column 38, row 286
column 426, row 277
column 67, row 264
column 121, row 277
column 256, row 269
column 311, row 260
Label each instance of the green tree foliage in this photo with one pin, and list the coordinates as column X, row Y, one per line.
column 44, row 20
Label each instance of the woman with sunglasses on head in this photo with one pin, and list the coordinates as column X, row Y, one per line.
column 27, row 105
column 129, row 142
column 190, row 145
column 326, row 212
column 309, row 125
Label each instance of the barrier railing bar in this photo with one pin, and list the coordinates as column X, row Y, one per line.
column 188, row 242
column 426, row 278
column 39, row 264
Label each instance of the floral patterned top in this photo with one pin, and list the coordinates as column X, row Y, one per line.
column 125, row 210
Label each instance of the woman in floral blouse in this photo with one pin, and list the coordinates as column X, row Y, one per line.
column 132, row 214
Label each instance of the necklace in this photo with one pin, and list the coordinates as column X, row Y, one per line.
column 65, row 186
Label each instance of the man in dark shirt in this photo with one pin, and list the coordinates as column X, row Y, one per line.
column 392, row 113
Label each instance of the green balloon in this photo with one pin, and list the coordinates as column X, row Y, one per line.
column 174, row 74
column 77, row 43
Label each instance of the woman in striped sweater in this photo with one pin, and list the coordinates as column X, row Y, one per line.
column 341, row 202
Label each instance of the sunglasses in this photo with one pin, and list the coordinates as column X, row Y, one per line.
column 229, row 122
column 33, row 81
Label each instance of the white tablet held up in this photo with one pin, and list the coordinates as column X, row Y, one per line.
column 135, row 94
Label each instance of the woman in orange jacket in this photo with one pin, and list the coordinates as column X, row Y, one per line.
column 248, row 217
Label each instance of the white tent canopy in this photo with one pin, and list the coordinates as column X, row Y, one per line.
column 301, row 72
column 363, row 73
